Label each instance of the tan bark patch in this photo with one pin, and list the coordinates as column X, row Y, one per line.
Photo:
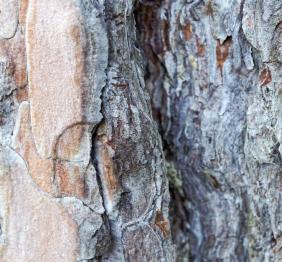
column 109, row 179
column 41, row 170
column 57, row 177
column 70, row 179
column 39, row 228
column 56, row 69
column 74, row 143
column 23, row 11
column 108, row 169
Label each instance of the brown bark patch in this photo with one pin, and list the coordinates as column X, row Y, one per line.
column 70, row 179
column 162, row 223
column 121, row 85
column 222, row 51
column 165, row 37
column 22, row 94
column 200, row 47
column 187, row 31
column 265, row 77
column 109, row 179
column 22, row 12
column 13, row 50
column 108, row 171
column 152, row 27
column 209, row 9
column 277, row 244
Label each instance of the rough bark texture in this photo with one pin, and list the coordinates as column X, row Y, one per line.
column 82, row 172
column 214, row 74
column 82, row 169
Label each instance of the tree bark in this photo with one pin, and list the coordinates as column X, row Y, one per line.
column 85, row 171
column 82, row 168
column 214, row 74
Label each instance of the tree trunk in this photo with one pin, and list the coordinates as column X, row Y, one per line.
column 83, row 175
column 214, row 74
column 82, row 168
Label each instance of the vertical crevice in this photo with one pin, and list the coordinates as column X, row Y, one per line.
column 153, row 41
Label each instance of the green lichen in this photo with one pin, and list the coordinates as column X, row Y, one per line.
column 174, row 178
column 251, row 221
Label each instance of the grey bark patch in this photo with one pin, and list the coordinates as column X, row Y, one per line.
column 142, row 244
column 218, row 112
column 9, row 11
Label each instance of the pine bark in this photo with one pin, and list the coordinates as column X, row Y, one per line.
column 214, row 75
column 82, row 168
column 107, row 105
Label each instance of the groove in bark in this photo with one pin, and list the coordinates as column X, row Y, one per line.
column 128, row 151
